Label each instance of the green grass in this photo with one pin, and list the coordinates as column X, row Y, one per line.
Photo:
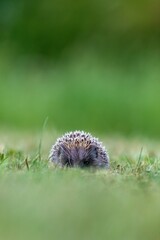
column 39, row 201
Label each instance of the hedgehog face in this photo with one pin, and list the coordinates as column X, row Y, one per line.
column 78, row 156
column 79, row 149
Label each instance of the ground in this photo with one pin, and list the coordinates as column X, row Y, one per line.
column 39, row 201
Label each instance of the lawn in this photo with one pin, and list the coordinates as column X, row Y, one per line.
column 39, row 201
column 119, row 103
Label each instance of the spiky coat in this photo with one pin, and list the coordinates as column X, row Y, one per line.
column 80, row 149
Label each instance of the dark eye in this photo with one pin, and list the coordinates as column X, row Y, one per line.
column 68, row 163
column 86, row 162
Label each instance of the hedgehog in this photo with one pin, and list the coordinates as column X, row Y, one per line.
column 79, row 149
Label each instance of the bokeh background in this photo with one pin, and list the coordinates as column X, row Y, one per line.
column 92, row 65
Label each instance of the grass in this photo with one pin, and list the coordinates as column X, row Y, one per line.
column 38, row 201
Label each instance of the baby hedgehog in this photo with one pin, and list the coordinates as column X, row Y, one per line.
column 79, row 149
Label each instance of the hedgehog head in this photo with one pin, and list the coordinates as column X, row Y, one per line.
column 78, row 156
column 79, row 149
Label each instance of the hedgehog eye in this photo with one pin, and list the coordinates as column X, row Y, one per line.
column 68, row 163
column 86, row 162
column 65, row 161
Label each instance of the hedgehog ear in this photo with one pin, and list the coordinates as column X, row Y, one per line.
column 93, row 150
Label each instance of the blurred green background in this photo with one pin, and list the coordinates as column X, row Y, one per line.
column 91, row 65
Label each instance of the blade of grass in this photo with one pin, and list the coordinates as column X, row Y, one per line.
column 139, row 159
column 41, row 137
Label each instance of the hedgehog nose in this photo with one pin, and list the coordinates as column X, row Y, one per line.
column 76, row 164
